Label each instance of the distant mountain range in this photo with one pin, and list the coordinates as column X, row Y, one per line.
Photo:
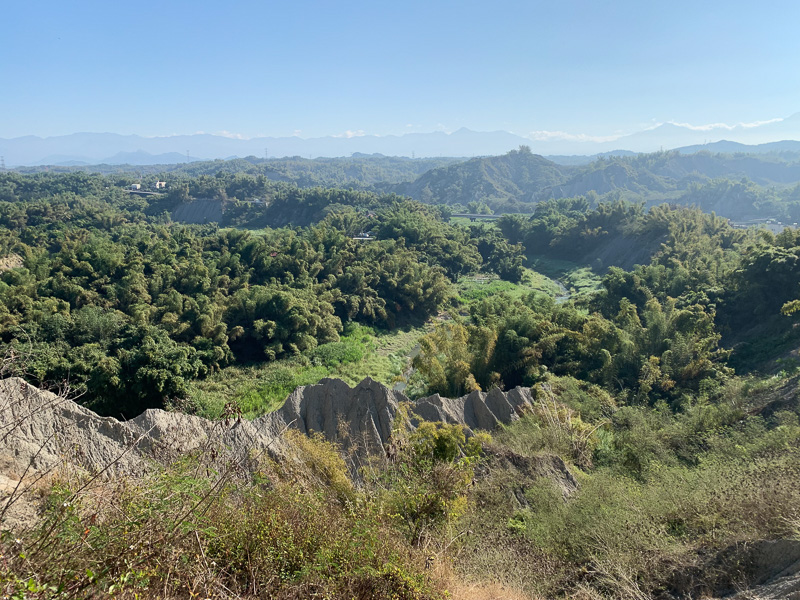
column 727, row 147
column 110, row 148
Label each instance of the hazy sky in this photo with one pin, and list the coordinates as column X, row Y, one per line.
column 326, row 68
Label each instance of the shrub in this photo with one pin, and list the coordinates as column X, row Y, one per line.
column 298, row 530
column 425, row 486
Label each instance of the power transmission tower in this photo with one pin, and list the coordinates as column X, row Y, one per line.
column 266, row 154
column 2, row 163
column 187, row 156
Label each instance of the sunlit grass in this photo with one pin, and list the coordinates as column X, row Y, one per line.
column 476, row 288
column 259, row 388
column 579, row 279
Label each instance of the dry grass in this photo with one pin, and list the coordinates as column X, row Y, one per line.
column 492, row 591
column 294, row 530
column 462, row 588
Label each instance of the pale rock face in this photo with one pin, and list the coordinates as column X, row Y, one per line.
column 362, row 415
column 40, row 430
column 476, row 410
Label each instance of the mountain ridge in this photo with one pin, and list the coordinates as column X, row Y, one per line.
column 33, row 150
column 518, row 180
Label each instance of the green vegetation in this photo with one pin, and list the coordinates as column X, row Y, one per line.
column 472, row 289
column 299, row 529
column 505, row 183
column 425, row 488
column 738, row 186
column 262, row 387
column 665, row 426
column 658, row 491
column 575, row 281
column 132, row 309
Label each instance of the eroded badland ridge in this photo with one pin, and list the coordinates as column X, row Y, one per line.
column 42, row 430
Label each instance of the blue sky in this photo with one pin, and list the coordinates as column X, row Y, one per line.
column 326, row 68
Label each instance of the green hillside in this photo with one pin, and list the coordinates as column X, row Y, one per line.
column 515, row 182
column 505, row 183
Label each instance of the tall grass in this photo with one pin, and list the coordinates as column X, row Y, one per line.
column 702, row 481
column 294, row 529
column 472, row 289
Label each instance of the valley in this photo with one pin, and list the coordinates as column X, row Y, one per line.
column 288, row 378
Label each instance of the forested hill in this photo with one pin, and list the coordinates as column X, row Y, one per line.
column 516, row 181
column 669, row 171
column 511, row 183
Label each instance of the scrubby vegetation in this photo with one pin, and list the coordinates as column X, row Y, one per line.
column 298, row 529
column 258, row 388
column 663, row 366
column 661, row 493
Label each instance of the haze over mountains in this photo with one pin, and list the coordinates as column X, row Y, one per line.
column 111, row 148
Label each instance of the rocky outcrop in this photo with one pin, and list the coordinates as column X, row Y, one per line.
column 477, row 410
column 362, row 415
column 39, row 429
column 521, row 472
column 771, row 568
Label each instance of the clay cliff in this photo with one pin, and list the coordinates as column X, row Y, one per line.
column 40, row 430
